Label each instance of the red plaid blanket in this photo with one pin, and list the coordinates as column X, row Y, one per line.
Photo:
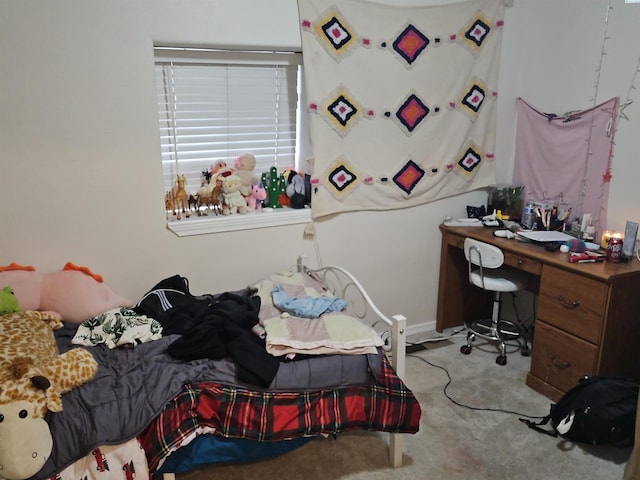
column 234, row 412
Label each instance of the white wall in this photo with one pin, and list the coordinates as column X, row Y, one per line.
column 81, row 176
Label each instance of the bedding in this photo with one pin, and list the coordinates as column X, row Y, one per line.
column 213, row 449
column 133, row 386
column 386, row 405
column 286, row 302
column 169, row 404
column 125, row 461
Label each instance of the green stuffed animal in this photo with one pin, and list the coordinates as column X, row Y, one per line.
column 8, row 301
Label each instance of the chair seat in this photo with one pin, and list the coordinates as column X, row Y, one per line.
column 500, row 280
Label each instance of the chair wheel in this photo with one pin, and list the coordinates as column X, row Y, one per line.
column 465, row 349
column 501, row 360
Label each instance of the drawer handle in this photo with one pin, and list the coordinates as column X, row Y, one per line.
column 559, row 365
column 567, row 304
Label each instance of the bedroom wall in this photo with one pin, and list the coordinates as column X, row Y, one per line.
column 81, row 177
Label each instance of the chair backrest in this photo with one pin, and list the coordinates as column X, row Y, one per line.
column 482, row 254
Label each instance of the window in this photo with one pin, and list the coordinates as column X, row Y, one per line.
column 217, row 105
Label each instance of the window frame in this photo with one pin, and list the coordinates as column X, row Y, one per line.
column 196, row 225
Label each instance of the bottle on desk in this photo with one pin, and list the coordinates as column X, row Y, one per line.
column 528, row 214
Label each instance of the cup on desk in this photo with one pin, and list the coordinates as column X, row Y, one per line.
column 554, row 224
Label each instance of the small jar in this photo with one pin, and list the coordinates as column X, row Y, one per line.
column 589, row 233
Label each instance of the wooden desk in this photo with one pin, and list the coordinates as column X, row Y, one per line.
column 588, row 315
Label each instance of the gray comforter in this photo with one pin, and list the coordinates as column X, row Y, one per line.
column 133, row 385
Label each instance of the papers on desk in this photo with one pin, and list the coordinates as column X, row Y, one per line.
column 544, row 236
column 463, row 222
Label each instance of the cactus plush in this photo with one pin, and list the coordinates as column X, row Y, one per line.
column 275, row 186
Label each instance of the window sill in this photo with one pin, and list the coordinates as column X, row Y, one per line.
column 195, row 225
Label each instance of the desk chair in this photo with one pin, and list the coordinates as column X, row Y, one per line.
column 486, row 271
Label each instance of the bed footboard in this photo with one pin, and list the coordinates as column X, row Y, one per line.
column 344, row 285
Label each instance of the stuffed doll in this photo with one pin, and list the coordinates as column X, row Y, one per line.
column 234, row 202
column 216, row 167
column 298, row 189
column 245, row 164
column 74, row 293
column 33, row 376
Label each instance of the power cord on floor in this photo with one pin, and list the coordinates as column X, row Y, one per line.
column 437, row 339
column 449, row 380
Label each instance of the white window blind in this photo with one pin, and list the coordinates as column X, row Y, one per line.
column 217, row 105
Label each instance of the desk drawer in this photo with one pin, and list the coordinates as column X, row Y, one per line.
column 522, row 263
column 560, row 359
column 572, row 302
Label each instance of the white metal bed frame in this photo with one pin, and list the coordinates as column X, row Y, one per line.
column 344, row 285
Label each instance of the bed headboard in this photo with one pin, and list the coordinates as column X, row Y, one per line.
column 344, row 284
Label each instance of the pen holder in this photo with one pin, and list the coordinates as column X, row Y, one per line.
column 554, row 225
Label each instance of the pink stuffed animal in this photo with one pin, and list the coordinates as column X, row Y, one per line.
column 258, row 194
column 74, row 293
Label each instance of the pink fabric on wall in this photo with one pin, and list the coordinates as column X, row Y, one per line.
column 567, row 156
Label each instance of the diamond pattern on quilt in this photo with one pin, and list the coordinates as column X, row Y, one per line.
column 411, row 113
column 442, row 93
column 341, row 111
column 475, row 33
column 408, row 177
column 341, row 178
column 472, row 99
column 335, row 34
column 468, row 162
column 410, row 43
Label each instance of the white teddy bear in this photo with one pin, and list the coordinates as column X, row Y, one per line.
column 234, row 202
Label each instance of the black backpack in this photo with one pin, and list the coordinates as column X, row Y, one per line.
column 598, row 411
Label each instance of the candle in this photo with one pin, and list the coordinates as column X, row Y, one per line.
column 606, row 236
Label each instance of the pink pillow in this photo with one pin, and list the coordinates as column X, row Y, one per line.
column 73, row 294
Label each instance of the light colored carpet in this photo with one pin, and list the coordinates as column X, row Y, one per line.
column 453, row 442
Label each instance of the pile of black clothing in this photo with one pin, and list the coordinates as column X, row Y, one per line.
column 211, row 326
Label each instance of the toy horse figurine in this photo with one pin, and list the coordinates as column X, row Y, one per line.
column 210, row 194
column 180, row 197
column 169, row 205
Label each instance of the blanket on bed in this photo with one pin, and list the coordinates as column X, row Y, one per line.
column 386, row 405
column 131, row 388
column 134, row 385
column 286, row 302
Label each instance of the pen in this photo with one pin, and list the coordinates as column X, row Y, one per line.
column 565, row 214
column 587, row 261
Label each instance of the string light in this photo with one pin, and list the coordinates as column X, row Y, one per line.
column 583, row 186
column 617, row 112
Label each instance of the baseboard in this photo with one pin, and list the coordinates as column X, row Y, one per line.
column 421, row 328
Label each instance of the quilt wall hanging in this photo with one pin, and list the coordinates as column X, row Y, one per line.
column 402, row 101
column 567, row 157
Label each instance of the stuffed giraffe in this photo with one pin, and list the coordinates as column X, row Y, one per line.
column 33, row 376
